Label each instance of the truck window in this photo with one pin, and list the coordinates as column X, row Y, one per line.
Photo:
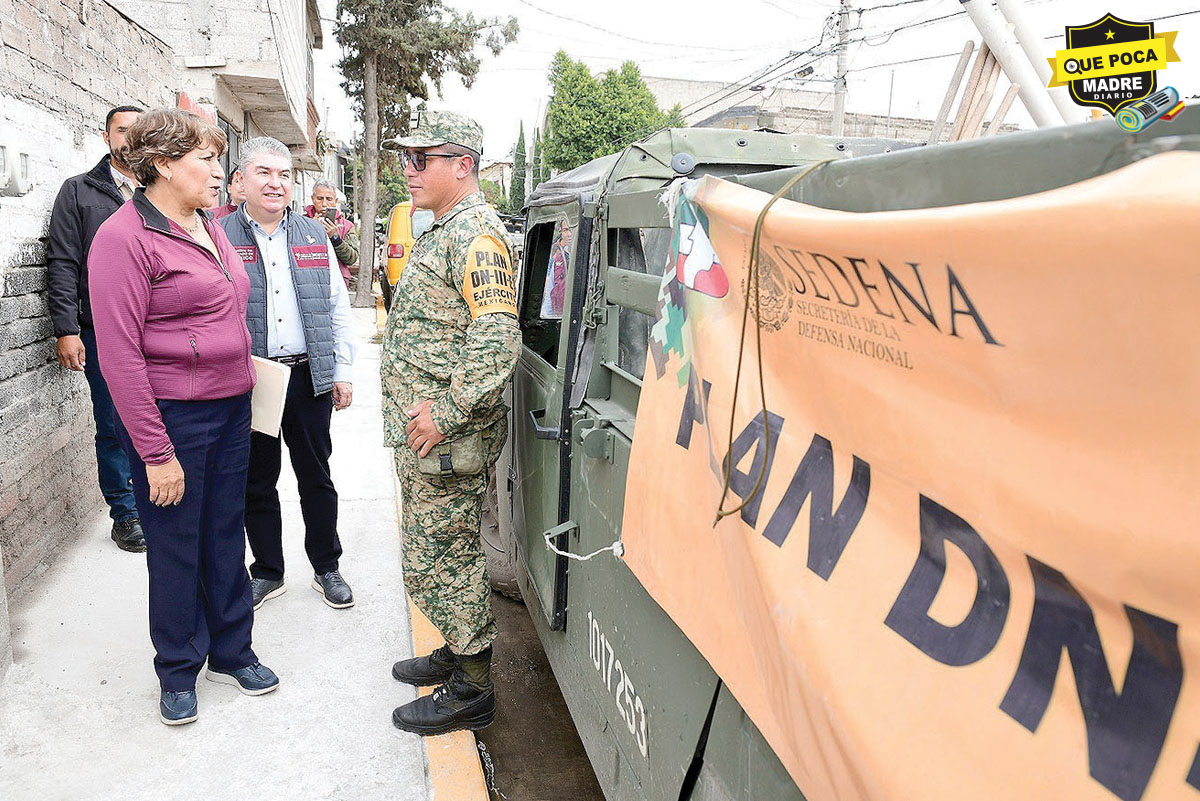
column 546, row 269
column 642, row 250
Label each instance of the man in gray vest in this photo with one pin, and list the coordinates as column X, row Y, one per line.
column 298, row 314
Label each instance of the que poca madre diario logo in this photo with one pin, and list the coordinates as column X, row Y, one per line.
column 1113, row 64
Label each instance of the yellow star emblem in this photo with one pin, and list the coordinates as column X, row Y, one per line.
column 1108, row 34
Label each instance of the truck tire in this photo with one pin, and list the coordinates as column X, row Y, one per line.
column 501, row 560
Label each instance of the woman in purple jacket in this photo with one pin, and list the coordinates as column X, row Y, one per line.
column 169, row 302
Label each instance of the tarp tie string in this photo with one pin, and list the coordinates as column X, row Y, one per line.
column 753, row 281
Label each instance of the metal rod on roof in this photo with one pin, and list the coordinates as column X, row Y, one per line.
column 975, row 121
column 964, row 105
column 951, row 92
column 1002, row 111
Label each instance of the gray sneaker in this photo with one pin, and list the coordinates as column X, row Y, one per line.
column 177, row 707
column 263, row 589
column 256, row 679
column 333, row 589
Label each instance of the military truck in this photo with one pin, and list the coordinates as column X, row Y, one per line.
column 656, row 720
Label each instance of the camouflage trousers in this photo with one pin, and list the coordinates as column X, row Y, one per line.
column 445, row 570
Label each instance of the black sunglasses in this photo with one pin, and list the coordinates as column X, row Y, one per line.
column 417, row 158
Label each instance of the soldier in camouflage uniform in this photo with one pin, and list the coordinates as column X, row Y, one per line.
column 449, row 349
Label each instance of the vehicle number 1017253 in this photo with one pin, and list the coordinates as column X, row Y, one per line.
column 619, row 685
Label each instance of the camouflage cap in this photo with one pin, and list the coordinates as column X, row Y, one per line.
column 435, row 128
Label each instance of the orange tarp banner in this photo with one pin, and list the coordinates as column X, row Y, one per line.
column 972, row 570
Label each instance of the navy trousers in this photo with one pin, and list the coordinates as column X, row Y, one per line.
column 200, row 603
column 112, row 463
column 306, row 431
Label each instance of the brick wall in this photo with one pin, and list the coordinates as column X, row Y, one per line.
column 63, row 64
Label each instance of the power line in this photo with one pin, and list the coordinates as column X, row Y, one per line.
column 751, row 79
column 905, row 61
column 633, row 50
column 741, row 88
column 890, row 5
column 621, row 35
column 738, row 85
column 784, row 10
column 957, row 52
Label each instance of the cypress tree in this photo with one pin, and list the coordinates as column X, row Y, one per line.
column 516, row 194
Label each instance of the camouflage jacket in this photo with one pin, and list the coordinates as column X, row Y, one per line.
column 347, row 250
column 451, row 334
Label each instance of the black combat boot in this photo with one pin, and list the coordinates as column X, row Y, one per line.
column 466, row 701
column 425, row 671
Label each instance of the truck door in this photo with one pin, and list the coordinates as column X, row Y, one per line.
column 652, row 691
column 550, row 248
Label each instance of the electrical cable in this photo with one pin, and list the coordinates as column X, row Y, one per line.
column 736, row 90
column 890, row 5
column 958, row 52
column 784, row 10
column 620, row 35
column 747, row 81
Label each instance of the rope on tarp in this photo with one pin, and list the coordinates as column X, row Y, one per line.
column 753, row 281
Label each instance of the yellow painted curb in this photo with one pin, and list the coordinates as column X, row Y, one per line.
column 380, row 322
column 454, row 770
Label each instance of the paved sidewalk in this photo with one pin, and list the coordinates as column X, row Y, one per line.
column 79, row 707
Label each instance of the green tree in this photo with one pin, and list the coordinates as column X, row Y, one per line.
column 494, row 195
column 675, row 118
column 394, row 51
column 516, row 192
column 591, row 116
column 393, row 188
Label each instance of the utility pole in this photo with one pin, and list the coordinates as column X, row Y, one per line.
column 839, row 82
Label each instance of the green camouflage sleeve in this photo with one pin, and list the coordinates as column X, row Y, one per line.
column 493, row 340
column 347, row 250
column 389, row 375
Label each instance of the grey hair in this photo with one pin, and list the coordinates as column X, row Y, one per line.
column 325, row 182
column 259, row 146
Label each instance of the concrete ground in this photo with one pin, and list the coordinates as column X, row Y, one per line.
column 79, row 707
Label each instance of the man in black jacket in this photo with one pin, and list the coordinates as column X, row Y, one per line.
column 84, row 202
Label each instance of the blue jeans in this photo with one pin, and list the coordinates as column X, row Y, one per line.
column 111, row 462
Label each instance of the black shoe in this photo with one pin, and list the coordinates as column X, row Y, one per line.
column 333, row 589
column 424, row 671
column 453, row 706
column 177, row 707
column 262, row 589
column 128, row 535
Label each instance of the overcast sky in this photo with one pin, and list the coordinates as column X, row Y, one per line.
column 730, row 41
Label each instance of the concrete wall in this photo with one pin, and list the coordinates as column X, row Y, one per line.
column 61, row 70
column 704, row 99
column 218, row 37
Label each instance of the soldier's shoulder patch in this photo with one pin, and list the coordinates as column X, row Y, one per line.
column 489, row 282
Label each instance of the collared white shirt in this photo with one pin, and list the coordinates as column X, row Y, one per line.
column 125, row 184
column 285, row 326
